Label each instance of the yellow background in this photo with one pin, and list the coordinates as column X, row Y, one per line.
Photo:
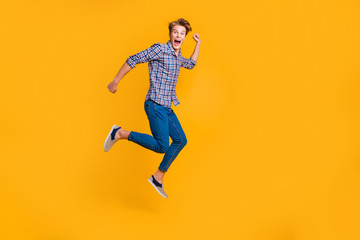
column 271, row 112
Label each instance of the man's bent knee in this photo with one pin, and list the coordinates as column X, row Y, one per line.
column 183, row 141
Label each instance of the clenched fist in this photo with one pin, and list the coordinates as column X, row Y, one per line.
column 112, row 86
column 196, row 37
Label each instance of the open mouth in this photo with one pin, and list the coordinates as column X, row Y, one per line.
column 177, row 42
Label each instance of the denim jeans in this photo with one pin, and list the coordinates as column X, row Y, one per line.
column 163, row 123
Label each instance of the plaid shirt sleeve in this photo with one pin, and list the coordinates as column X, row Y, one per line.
column 188, row 63
column 149, row 54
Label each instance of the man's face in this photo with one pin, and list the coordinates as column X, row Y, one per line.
column 177, row 36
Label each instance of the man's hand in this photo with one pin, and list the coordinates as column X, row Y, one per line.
column 112, row 86
column 197, row 38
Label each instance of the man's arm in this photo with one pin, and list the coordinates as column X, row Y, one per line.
column 122, row 72
column 195, row 54
column 191, row 62
column 152, row 53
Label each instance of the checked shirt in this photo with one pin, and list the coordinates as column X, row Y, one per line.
column 164, row 67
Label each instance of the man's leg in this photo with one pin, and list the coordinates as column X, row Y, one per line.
column 178, row 143
column 158, row 120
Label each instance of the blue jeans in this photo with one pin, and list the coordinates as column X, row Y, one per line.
column 163, row 123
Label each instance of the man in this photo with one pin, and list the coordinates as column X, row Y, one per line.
column 165, row 61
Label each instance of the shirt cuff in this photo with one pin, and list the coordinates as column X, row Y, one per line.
column 130, row 62
column 193, row 61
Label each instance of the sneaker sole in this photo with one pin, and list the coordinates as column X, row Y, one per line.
column 156, row 188
column 108, row 138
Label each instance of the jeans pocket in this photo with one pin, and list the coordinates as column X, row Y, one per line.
column 155, row 110
column 150, row 109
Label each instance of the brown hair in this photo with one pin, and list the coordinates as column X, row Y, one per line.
column 181, row 22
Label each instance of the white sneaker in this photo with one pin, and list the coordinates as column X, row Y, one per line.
column 158, row 186
column 110, row 140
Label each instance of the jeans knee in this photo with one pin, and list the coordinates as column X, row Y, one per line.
column 183, row 141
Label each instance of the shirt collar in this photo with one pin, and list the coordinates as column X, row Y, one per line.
column 172, row 49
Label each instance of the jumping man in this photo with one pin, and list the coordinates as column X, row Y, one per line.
column 165, row 61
